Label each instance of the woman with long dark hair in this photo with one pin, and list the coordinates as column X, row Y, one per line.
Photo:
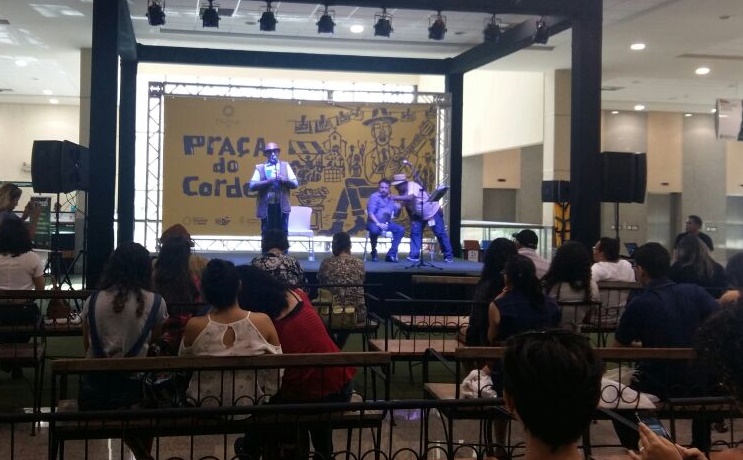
column 569, row 275
column 521, row 306
column 173, row 279
column 734, row 272
column 487, row 288
column 120, row 321
column 300, row 330
column 696, row 266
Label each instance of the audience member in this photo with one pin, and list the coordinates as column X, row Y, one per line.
column 196, row 263
column 343, row 268
column 20, row 269
column 275, row 261
column 521, row 306
column 608, row 266
column 552, row 385
column 228, row 330
column 300, row 330
column 119, row 321
column 694, row 227
column 10, row 194
column 694, row 265
column 569, row 280
column 665, row 314
column 487, row 288
column 734, row 272
column 173, row 280
column 719, row 344
column 527, row 242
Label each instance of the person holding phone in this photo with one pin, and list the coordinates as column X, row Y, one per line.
column 10, row 194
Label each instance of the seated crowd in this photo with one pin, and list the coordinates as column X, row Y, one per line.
column 258, row 309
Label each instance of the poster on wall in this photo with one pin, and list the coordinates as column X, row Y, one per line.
column 729, row 119
column 339, row 154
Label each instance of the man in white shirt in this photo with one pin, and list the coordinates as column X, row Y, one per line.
column 608, row 266
column 527, row 242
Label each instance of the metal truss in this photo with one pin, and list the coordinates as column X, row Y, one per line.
column 150, row 223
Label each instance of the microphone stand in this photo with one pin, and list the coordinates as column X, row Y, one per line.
column 421, row 262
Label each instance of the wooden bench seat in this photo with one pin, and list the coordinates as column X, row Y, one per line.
column 71, row 423
column 414, row 348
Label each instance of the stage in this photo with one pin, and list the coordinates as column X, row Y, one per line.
column 391, row 277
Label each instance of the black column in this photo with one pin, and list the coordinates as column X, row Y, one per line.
column 585, row 126
column 104, row 77
column 127, row 137
column 455, row 87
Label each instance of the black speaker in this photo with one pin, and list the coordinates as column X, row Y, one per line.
column 624, row 177
column 555, row 191
column 59, row 167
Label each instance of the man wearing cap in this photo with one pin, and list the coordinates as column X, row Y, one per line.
column 421, row 212
column 527, row 242
column 273, row 180
column 383, row 159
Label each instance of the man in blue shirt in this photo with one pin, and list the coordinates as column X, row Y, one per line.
column 664, row 315
column 381, row 209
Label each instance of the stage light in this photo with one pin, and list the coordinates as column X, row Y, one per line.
column 542, row 33
column 383, row 24
column 437, row 27
column 325, row 25
column 155, row 14
column 491, row 32
column 210, row 16
column 268, row 20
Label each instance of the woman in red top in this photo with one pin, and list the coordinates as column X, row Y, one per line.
column 300, row 331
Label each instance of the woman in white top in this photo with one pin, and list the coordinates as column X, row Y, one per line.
column 228, row 330
column 20, row 269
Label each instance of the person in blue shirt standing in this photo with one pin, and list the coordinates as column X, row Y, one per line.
column 381, row 209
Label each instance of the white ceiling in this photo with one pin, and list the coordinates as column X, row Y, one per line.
column 680, row 35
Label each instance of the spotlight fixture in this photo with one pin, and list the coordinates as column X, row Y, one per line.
column 491, row 32
column 383, row 24
column 325, row 25
column 268, row 20
column 437, row 27
column 210, row 16
column 542, row 34
column 155, row 14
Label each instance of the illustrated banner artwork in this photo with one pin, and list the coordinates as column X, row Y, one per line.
column 339, row 154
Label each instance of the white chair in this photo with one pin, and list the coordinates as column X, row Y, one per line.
column 300, row 220
column 385, row 234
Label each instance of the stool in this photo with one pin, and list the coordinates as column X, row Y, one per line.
column 385, row 234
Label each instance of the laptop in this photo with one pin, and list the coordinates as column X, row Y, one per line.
column 631, row 248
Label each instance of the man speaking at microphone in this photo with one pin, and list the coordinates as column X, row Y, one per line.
column 273, row 180
column 421, row 212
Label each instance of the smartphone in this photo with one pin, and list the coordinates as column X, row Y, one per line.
column 654, row 424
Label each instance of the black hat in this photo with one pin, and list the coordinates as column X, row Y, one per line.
column 527, row 238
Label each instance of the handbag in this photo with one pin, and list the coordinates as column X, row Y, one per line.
column 162, row 389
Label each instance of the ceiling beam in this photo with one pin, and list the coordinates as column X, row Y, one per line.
column 296, row 61
column 512, row 40
column 529, row 7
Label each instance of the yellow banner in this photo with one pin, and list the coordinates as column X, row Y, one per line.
column 339, row 154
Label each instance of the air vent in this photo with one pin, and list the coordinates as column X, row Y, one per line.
column 6, row 90
column 611, row 88
column 4, row 22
